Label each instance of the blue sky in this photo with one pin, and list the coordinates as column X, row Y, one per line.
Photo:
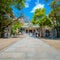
column 31, row 6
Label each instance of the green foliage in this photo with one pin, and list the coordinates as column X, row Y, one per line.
column 16, row 26
column 6, row 10
column 38, row 15
column 5, row 7
column 46, row 21
column 55, row 13
column 52, row 19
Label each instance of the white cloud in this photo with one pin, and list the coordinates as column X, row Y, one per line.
column 38, row 6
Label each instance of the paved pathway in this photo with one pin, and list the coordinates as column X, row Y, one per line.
column 30, row 48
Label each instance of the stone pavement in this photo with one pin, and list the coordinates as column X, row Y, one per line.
column 5, row 42
column 30, row 48
column 52, row 42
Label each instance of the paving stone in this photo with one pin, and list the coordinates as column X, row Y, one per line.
column 30, row 48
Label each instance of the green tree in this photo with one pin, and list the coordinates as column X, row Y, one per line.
column 55, row 15
column 6, row 13
column 46, row 21
column 38, row 15
column 16, row 26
